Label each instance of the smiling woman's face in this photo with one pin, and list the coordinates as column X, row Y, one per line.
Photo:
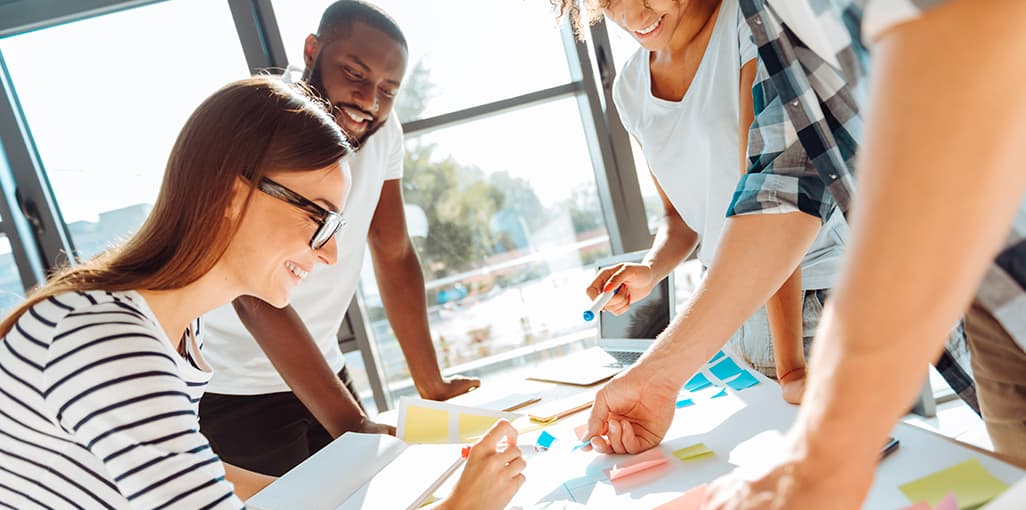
column 270, row 253
column 651, row 22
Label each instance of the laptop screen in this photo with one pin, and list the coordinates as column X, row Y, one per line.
column 646, row 318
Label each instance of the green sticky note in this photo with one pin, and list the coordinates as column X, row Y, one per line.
column 693, row 451
column 972, row 484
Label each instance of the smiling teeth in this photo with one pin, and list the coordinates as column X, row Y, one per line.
column 650, row 28
column 296, row 271
column 356, row 117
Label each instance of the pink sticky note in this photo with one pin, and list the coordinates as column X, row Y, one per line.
column 690, row 500
column 580, row 430
column 948, row 503
column 639, row 463
column 922, row 505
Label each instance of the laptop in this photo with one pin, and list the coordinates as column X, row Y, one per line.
column 626, row 337
column 621, row 339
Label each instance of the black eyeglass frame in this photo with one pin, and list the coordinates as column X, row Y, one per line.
column 328, row 222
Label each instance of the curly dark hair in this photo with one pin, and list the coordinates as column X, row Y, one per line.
column 582, row 13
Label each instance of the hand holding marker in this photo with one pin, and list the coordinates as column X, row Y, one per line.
column 599, row 303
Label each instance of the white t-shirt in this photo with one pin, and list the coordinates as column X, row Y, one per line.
column 240, row 366
column 692, row 145
column 97, row 410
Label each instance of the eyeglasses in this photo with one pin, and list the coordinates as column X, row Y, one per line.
column 329, row 222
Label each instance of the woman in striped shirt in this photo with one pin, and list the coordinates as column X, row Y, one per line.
column 101, row 369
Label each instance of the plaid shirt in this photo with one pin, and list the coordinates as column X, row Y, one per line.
column 808, row 124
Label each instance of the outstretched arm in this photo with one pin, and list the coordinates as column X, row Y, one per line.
column 292, row 350
column 941, row 178
column 401, row 283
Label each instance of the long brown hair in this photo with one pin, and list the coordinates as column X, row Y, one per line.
column 243, row 130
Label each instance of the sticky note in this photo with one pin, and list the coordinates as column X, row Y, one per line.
column 426, row 425
column 971, row 483
column 690, row 500
column 472, row 426
column 641, row 462
column 948, row 503
column 745, row 380
column 685, row 403
column 697, row 382
column 693, row 451
column 722, row 393
column 718, row 355
column 580, row 430
column 725, row 369
column 545, row 440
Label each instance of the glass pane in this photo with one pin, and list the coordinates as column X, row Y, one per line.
column 11, row 289
column 105, row 98
column 470, row 56
column 513, row 227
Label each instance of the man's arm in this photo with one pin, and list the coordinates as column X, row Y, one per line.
column 784, row 307
column 941, row 178
column 756, row 255
column 401, row 283
column 292, row 350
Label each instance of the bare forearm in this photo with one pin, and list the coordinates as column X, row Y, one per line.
column 287, row 343
column 784, row 311
column 246, row 482
column 941, row 177
column 756, row 255
column 673, row 243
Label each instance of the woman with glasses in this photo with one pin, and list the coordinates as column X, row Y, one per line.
column 101, row 369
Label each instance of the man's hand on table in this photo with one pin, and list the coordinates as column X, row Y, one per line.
column 446, row 388
column 631, row 413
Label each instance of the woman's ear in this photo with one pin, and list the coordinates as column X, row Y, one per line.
column 237, row 200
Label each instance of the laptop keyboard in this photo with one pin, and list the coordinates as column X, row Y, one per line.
column 626, row 358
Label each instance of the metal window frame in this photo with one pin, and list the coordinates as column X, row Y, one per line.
column 41, row 239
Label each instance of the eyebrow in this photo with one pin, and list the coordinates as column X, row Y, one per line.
column 328, row 204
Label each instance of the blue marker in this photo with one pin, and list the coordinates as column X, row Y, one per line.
column 599, row 303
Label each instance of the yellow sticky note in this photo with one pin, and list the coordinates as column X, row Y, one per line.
column 693, row 451
column 972, row 484
column 426, row 425
column 473, row 426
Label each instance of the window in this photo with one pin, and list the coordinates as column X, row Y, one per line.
column 105, row 98
column 11, row 290
column 475, row 56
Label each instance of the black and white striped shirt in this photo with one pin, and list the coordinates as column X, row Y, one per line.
column 98, row 411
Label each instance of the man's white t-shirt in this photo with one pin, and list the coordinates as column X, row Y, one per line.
column 240, row 366
column 692, row 145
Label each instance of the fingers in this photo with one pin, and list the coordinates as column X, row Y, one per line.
column 631, row 442
column 595, row 288
column 502, row 429
column 597, row 418
column 615, row 436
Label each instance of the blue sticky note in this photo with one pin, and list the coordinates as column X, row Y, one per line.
column 725, row 369
column 745, row 380
column 718, row 355
column 545, row 440
column 722, row 393
column 684, row 403
column 697, row 382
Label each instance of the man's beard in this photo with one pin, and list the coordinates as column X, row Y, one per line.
column 316, row 82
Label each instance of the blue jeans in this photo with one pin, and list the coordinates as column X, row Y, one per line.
column 753, row 342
